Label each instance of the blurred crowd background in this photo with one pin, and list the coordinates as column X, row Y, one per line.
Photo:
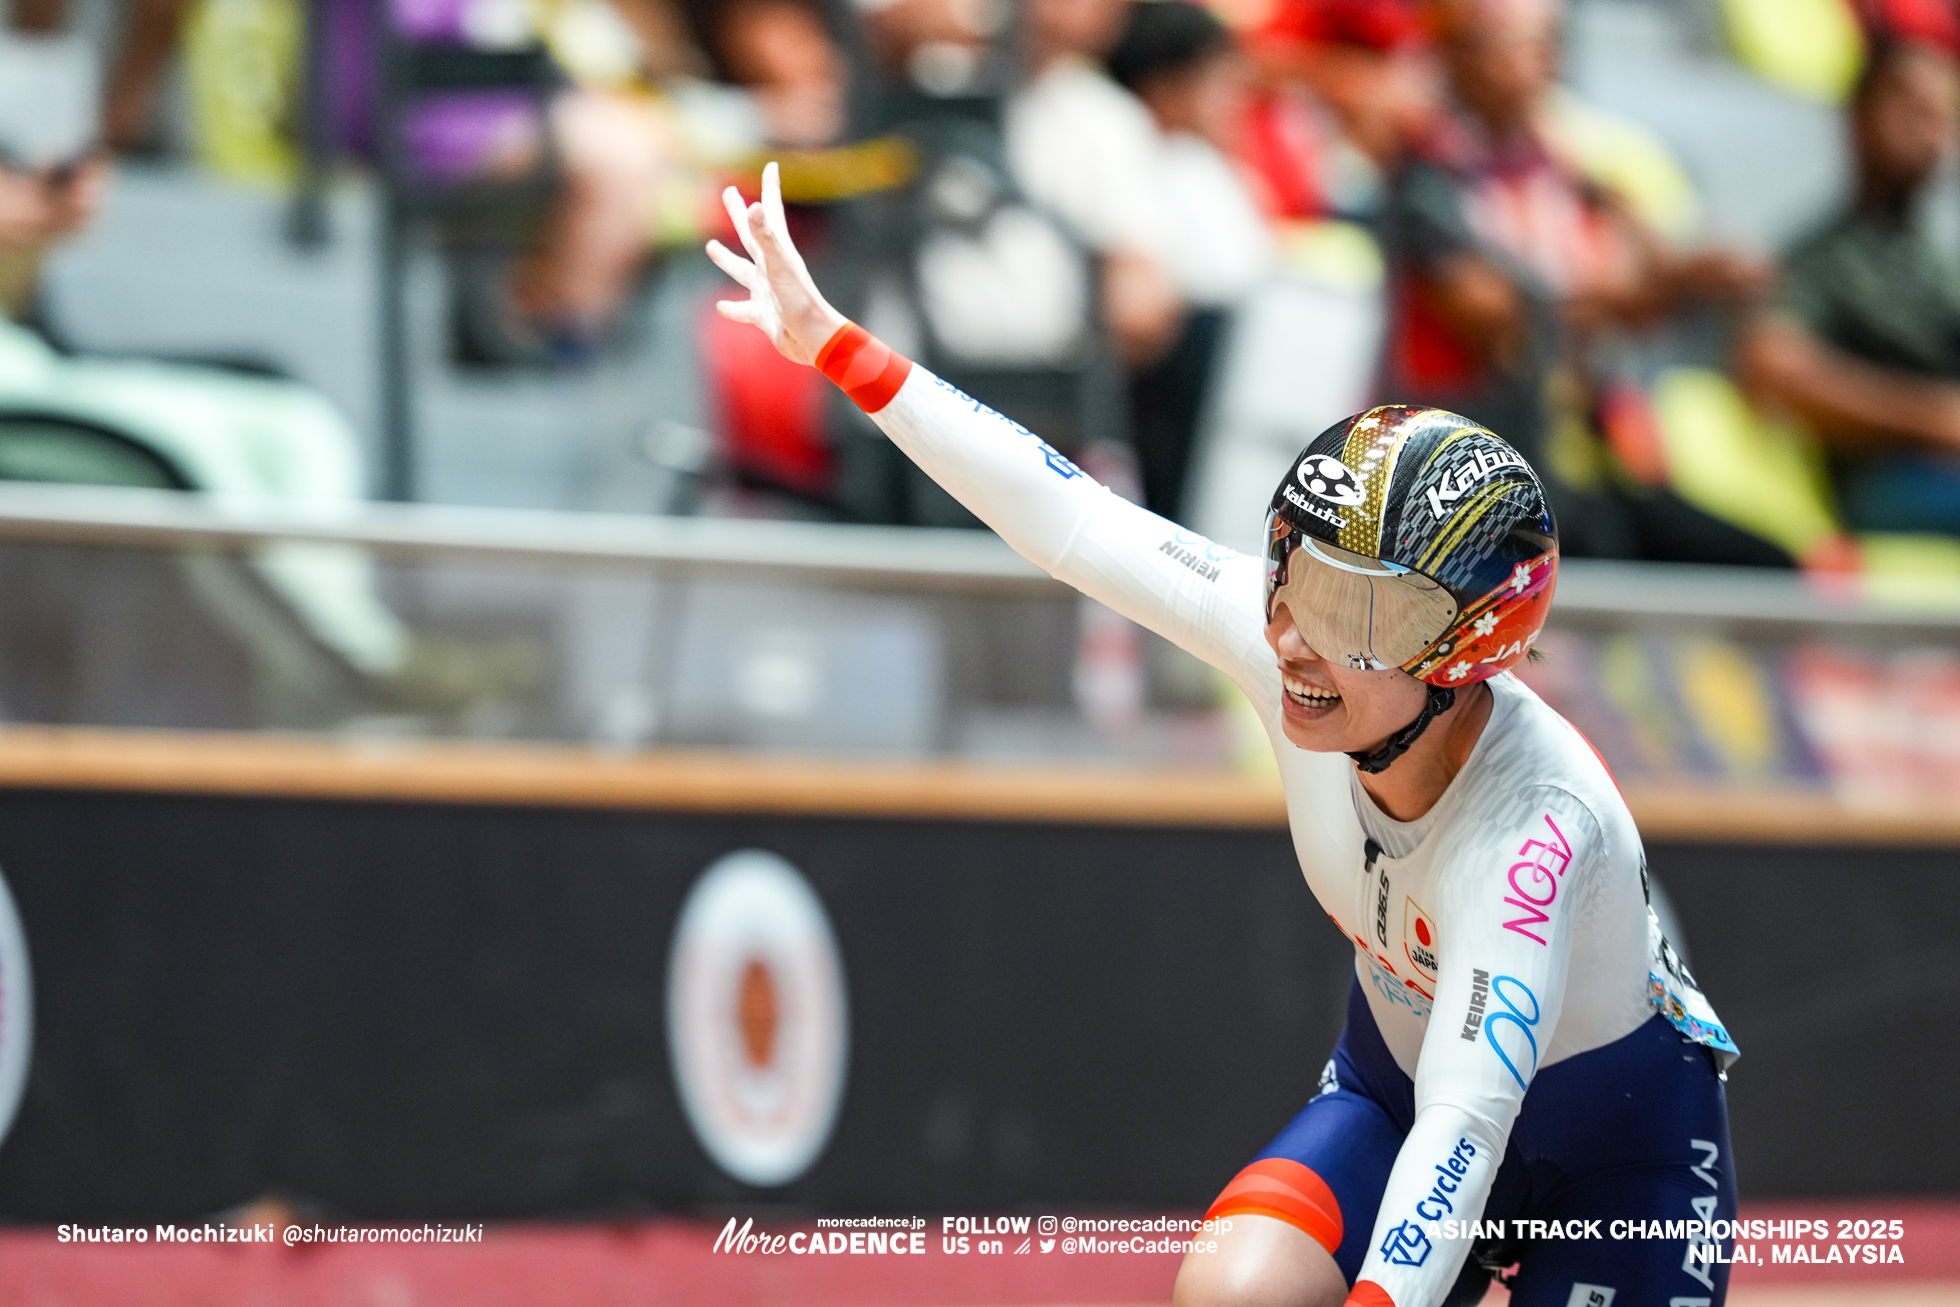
column 1687, row 256
column 1698, row 260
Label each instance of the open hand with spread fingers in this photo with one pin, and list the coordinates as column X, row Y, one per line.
column 783, row 302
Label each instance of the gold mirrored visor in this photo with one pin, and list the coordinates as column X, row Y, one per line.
column 1362, row 612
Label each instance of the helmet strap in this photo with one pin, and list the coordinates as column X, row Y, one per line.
column 1441, row 700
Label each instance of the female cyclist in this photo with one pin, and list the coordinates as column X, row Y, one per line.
column 1521, row 1044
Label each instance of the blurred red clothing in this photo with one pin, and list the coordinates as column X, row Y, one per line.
column 1377, row 24
column 1284, row 146
column 1516, row 202
column 768, row 411
column 1934, row 22
column 1332, row 72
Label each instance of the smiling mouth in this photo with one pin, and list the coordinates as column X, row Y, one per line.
column 1308, row 696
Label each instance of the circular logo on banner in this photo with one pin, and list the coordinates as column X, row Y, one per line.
column 757, row 1018
column 16, row 1011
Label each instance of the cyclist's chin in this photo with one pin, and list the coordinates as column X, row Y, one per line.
column 1330, row 733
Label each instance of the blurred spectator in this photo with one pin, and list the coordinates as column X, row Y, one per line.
column 1085, row 149
column 1512, row 265
column 1188, row 71
column 782, row 54
column 149, row 33
column 38, row 209
column 782, row 61
column 615, row 155
column 51, row 171
column 1863, row 339
column 614, row 152
column 147, row 38
column 249, row 438
column 1343, row 85
column 938, row 46
column 1186, row 68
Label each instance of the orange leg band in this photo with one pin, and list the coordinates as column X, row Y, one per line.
column 1367, row 1293
column 864, row 367
column 1285, row 1190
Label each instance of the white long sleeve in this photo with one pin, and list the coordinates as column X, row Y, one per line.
column 1203, row 597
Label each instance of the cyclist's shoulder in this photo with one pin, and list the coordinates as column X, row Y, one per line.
column 1529, row 761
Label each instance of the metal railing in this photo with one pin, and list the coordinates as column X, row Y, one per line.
column 861, row 557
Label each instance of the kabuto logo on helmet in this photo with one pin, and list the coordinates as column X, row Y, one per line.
column 1330, row 479
column 1444, row 495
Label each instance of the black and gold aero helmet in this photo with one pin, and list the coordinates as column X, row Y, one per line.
column 1413, row 538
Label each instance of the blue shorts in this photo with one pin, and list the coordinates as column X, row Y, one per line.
column 1637, row 1130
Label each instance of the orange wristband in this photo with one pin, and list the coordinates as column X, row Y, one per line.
column 864, row 367
column 1367, row 1293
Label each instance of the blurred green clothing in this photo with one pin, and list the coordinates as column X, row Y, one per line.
column 1879, row 291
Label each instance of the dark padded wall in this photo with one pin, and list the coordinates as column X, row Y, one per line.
column 1835, row 968
column 419, row 1011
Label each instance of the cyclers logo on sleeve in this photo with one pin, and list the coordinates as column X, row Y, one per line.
column 1450, row 1174
column 1515, row 1022
column 1406, row 1245
column 1542, row 881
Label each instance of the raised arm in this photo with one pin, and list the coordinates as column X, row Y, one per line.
column 1199, row 595
column 1507, row 901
